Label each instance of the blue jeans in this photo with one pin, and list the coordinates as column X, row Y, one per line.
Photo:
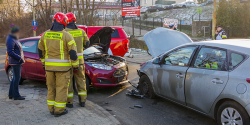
column 14, row 91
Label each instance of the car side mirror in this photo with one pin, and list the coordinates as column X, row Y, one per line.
column 156, row 61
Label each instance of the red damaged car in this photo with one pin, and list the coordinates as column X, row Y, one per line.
column 101, row 70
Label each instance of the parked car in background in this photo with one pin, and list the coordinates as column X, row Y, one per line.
column 168, row 7
column 155, row 8
column 186, row 4
column 101, row 70
column 144, row 9
column 207, row 3
column 210, row 77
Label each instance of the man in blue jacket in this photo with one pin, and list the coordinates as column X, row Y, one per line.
column 16, row 59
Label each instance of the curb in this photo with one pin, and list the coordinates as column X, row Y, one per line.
column 99, row 108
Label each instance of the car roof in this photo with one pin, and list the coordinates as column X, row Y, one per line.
column 239, row 45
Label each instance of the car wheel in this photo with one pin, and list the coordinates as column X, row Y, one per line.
column 184, row 6
column 232, row 113
column 10, row 76
column 88, row 82
column 146, row 88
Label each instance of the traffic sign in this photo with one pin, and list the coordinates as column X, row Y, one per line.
column 34, row 23
column 34, row 28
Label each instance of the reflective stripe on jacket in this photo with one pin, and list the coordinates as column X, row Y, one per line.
column 221, row 35
column 57, row 51
column 80, row 38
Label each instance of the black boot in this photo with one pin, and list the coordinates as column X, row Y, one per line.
column 19, row 98
column 52, row 113
column 69, row 105
column 82, row 104
column 63, row 113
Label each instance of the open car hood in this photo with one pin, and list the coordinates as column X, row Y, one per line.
column 161, row 40
column 102, row 38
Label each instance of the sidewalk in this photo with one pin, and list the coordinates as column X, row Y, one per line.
column 34, row 111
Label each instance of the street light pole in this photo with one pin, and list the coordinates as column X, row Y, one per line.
column 34, row 16
column 214, row 19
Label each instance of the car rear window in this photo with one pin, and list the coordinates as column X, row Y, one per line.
column 236, row 59
column 115, row 34
column 211, row 58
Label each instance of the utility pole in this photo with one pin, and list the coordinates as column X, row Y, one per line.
column 214, row 19
column 34, row 16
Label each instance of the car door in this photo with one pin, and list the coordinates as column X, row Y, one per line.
column 30, row 56
column 170, row 75
column 206, row 79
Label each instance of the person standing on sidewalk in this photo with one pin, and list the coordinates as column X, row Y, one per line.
column 57, row 52
column 81, row 40
column 220, row 34
column 16, row 59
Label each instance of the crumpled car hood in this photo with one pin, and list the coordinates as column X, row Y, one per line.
column 161, row 40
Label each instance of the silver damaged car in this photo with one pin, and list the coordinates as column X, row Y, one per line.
column 211, row 77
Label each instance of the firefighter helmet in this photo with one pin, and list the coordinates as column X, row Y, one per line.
column 71, row 17
column 61, row 18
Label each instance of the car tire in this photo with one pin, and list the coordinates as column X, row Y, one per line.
column 88, row 82
column 146, row 88
column 231, row 108
column 10, row 76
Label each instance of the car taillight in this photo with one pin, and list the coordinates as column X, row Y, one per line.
column 142, row 65
column 248, row 80
column 125, row 44
column 152, row 7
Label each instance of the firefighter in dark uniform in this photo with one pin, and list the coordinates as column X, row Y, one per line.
column 57, row 52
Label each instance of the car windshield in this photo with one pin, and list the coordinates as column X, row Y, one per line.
column 91, row 50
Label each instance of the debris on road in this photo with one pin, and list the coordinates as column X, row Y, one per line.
column 135, row 93
column 132, row 107
column 108, row 110
column 138, row 106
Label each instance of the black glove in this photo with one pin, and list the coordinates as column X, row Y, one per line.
column 44, row 67
column 75, row 70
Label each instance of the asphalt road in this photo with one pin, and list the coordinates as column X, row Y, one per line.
column 154, row 111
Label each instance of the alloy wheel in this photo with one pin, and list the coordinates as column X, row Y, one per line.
column 145, row 88
column 231, row 116
column 10, row 74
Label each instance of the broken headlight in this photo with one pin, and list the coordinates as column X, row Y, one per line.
column 99, row 66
